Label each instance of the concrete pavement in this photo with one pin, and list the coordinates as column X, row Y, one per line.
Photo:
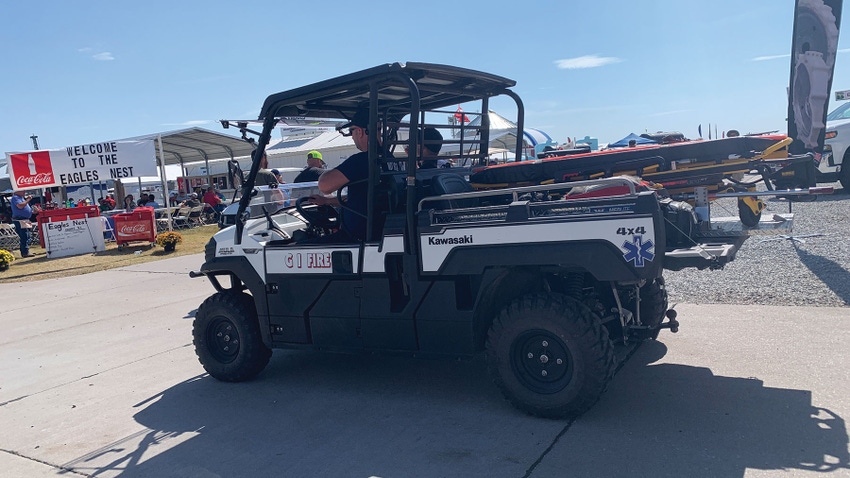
column 98, row 378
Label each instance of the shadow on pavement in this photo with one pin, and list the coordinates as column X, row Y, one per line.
column 312, row 414
column 676, row 420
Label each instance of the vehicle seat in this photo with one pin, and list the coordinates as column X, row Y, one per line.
column 449, row 183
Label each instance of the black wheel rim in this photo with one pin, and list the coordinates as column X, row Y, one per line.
column 541, row 361
column 223, row 340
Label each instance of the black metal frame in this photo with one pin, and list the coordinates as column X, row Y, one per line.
column 391, row 92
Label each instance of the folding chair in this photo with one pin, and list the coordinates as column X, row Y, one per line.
column 8, row 237
column 180, row 219
column 108, row 232
column 162, row 221
column 196, row 216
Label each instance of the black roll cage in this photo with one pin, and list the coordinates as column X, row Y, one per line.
column 391, row 92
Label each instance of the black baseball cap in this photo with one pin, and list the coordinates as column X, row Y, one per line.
column 433, row 138
column 360, row 119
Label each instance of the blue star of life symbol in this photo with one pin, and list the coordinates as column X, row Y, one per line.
column 638, row 251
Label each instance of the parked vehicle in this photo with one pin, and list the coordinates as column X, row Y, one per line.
column 836, row 147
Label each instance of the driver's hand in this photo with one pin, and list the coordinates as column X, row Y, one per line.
column 318, row 200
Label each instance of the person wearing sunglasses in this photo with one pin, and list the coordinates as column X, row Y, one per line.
column 354, row 173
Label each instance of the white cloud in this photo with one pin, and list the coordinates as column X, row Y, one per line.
column 587, row 61
column 105, row 56
column 84, row 49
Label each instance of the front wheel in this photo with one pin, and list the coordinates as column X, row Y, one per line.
column 227, row 337
column 844, row 177
column 550, row 355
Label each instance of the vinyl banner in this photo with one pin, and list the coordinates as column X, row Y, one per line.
column 82, row 164
column 813, row 50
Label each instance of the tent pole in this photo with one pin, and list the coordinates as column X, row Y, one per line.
column 164, row 182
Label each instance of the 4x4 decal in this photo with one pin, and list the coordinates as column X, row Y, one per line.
column 629, row 231
column 638, row 251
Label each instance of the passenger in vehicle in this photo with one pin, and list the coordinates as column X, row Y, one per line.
column 430, row 143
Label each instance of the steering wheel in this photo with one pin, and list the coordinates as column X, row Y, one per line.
column 322, row 217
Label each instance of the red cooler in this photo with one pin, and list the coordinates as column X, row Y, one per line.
column 64, row 214
column 136, row 226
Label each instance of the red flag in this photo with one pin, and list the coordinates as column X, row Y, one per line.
column 460, row 116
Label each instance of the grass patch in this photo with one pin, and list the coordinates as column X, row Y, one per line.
column 38, row 266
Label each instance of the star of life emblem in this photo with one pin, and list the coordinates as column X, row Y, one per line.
column 638, row 251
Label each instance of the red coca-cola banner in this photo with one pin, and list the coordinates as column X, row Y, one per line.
column 32, row 169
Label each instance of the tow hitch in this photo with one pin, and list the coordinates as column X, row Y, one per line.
column 671, row 323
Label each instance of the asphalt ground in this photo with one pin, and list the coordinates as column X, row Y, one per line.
column 98, row 377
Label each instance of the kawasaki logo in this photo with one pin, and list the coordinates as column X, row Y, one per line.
column 438, row 241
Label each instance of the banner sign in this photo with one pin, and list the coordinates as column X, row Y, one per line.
column 82, row 164
column 73, row 237
column 842, row 95
column 813, row 50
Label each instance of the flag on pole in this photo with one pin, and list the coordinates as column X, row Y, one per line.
column 462, row 118
column 699, row 128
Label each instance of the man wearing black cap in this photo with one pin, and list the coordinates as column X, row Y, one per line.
column 355, row 170
column 314, row 168
column 430, row 142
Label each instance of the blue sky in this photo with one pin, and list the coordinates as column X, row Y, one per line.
column 85, row 71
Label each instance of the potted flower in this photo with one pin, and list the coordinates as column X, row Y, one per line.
column 6, row 259
column 168, row 240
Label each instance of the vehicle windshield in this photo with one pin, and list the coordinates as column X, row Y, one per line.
column 840, row 113
column 276, row 198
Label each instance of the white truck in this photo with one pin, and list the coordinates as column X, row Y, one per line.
column 836, row 148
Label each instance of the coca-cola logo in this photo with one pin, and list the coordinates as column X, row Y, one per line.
column 129, row 229
column 32, row 169
column 38, row 179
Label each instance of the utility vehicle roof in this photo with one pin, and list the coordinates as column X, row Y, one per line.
column 439, row 86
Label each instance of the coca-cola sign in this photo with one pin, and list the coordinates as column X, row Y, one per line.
column 129, row 229
column 39, row 179
column 32, row 170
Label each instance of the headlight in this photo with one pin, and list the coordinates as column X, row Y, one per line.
column 830, row 134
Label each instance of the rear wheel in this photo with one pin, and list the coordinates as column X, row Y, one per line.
column 550, row 355
column 844, row 177
column 653, row 306
column 227, row 337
